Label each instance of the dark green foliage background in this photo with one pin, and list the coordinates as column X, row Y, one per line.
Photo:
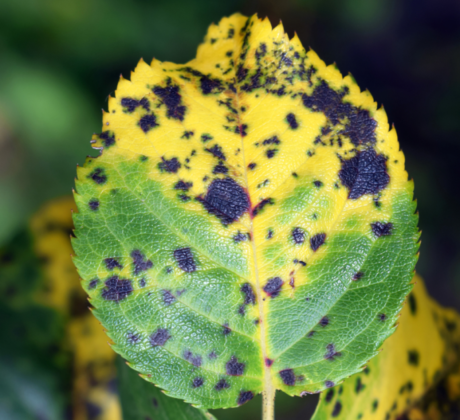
column 61, row 59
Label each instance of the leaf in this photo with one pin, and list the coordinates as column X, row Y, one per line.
column 249, row 225
column 142, row 400
column 423, row 350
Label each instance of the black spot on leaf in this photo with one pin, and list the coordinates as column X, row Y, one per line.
column 318, row 184
column 209, row 85
column 382, row 317
column 98, row 176
column 172, row 99
column 234, row 368
column 317, row 240
column 330, row 394
column 108, row 138
column 93, row 204
column 172, row 165
column 413, row 357
column 225, row 199
column 337, row 409
column 217, row 152
column 92, row 284
column 240, row 237
column 259, row 207
column 292, row 121
column 271, row 140
column 412, row 303
column 365, row 173
column 331, row 354
column 140, row 262
column 324, row 321
column 131, row 104
column 271, row 153
column 220, row 169
column 268, row 362
column 249, row 296
column 184, row 259
column 222, row 384
column 298, row 235
column 359, row 385
column 147, row 122
column 206, row 137
column 195, row 360
column 244, row 397
column 251, row 166
column 273, row 286
column 168, row 297
column 116, row 289
column 358, row 276
column 197, row 382
column 287, row 376
column 382, row 229
column 226, row 330
column 182, row 185
column 159, row 337
column 112, row 263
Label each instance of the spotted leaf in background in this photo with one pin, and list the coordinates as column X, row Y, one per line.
column 420, row 359
column 249, row 225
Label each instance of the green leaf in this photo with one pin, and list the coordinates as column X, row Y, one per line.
column 419, row 358
column 249, row 225
column 142, row 400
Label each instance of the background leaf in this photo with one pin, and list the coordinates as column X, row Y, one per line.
column 420, row 358
column 142, row 400
column 249, row 225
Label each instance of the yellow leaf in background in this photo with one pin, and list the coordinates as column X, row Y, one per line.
column 419, row 356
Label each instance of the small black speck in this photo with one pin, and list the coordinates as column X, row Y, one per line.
column 197, row 382
column 292, row 121
column 93, row 204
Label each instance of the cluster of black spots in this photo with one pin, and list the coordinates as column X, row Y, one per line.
column 412, row 304
column 381, row 229
column 357, row 276
column 209, row 85
column 271, row 140
column 159, row 337
column 131, row 104
column 225, row 199
column 249, row 296
column 330, row 394
column 364, row 173
column 142, row 282
column 287, row 376
column 108, row 138
column 98, row 176
column 93, row 204
column 259, row 207
column 217, row 152
column 206, row 137
column 317, row 240
column 172, row 165
column 318, row 184
column 187, row 135
column 226, row 330
column 168, row 297
column 382, row 317
column 324, row 321
column 331, row 354
column 273, row 286
column 133, row 338
column 298, row 235
column 252, row 165
column 172, row 99
column 360, row 126
column 184, row 259
column 220, row 169
column 197, row 382
column 182, row 185
column 92, row 284
column 241, row 237
column 141, row 263
column 413, row 357
column 116, row 289
column 233, row 368
column 271, row 153
column 222, row 384
column 292, row 121
column 359, row 385
column 147, row 122
column 112, row 263
column 195, row 360
column 337, row 409
column 244, row 397
column 241, row 130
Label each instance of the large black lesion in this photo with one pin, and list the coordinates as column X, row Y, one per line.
column 273, row 287
column 117, row 289
column 364, row 173
column 112, row 263
column 226, row 200
column 358, row 124
column 141, row 263
column 288, row 377
column 172, row 99
column 169, row 165
column 108, row 138
column 147, row 122
column 210, row 85
column 130, row 104
column 234, row 368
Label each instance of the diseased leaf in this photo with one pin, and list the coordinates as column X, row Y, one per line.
column 249, row 225
column 141, row 400
column 423, row 350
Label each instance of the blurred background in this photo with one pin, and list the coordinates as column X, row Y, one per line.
column 60, row 59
